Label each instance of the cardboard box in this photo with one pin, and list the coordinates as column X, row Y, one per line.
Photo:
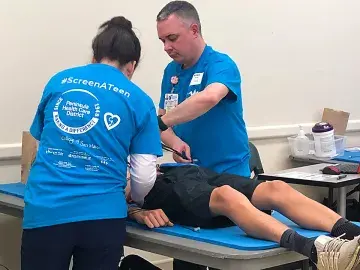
column 338, row 119
column 28, row 154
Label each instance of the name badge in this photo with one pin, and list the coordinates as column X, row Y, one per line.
column 197, row 78
column 171, row 101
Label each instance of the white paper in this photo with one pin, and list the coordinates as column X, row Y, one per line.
column 308, row 176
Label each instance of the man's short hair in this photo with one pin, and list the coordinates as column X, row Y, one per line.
column 181, row 9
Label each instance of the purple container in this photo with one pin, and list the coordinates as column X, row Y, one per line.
column 322, row 127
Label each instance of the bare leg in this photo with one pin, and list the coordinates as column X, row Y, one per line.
column 279, row 196
column 229, row 202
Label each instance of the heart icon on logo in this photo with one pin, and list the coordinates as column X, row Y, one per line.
column 111, row 120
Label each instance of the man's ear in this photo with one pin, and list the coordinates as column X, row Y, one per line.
column 93, row 61
column 195, row 30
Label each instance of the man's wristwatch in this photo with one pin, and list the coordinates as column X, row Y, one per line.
column 162, row 125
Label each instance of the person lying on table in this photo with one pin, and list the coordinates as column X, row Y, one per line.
column 194, row 196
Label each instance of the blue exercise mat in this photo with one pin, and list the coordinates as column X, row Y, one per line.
column 14, row 189
column 349, row 156
column 174, row 164
column 232, row 237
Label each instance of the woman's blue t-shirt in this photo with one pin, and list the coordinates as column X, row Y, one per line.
column 89, row 120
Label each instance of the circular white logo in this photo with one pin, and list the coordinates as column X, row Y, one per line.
column 76, row 111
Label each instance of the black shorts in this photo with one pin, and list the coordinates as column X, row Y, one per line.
column 184, row 192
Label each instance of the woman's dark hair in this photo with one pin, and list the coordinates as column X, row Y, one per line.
column 117, row 41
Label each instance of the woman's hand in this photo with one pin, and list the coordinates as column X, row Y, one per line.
column 151, row 218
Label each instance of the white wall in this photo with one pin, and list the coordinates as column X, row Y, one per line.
column 296, row 57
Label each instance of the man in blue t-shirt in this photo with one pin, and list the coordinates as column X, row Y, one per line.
column 201, row 102
column 201, row 96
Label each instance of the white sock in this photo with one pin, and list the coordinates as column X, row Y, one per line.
column 321, row 241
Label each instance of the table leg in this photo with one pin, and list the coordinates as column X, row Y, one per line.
column 342, row 201
column 305, row 265
column 330, row 197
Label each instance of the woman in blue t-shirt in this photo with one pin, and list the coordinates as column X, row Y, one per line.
column 91, row 119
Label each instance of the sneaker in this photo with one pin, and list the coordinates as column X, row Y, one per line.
column 337, row 253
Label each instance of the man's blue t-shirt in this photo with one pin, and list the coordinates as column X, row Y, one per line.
column 89, row 120
column 218, row 139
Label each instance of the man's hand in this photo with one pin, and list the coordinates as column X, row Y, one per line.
column 152, row 218
column 181, row 147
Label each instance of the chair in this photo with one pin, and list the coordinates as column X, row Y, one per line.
column 255, row 161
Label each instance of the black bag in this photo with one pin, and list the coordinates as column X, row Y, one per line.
column 352, row 205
